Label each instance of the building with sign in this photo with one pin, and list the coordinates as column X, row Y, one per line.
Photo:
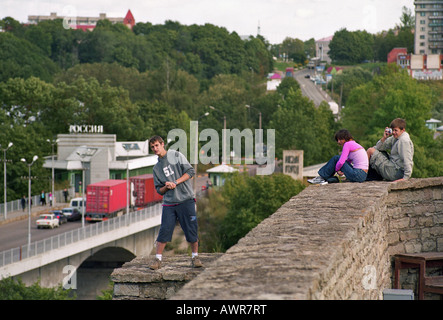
column 100, row 156
column 420, row 67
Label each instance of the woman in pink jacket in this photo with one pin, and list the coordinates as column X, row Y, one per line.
column 353, row 161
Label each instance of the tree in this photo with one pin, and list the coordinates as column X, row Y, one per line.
column 349, row 78
column 394, row 94
column 351, row 47
column 294, row 49
column 407, row 19
column 299, row 125
column 249, row 200
column 20, row 58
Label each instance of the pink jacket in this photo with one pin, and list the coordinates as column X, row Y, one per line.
column 355, row 154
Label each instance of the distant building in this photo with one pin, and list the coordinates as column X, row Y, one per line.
column 393, row 55
column 218, row 174
column 85, row 23
column 420, row 67
column 322, row 49
column 428, row 27
column 273, row 82
column 334, row 70
column 101, row 156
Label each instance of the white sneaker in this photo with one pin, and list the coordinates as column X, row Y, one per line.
column 318, row 180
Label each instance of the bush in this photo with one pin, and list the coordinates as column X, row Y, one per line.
column 11, row 289
column 242, row 204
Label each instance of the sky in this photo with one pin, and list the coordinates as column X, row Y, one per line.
column 277, row 19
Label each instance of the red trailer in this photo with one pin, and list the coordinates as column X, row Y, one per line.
column 144, row 190
column 105, row 199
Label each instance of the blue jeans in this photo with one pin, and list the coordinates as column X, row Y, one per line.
column 353, row 175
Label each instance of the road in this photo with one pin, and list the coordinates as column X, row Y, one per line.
column 309, row 89
column 15, row 233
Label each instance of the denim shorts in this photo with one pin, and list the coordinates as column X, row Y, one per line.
column 185, row 214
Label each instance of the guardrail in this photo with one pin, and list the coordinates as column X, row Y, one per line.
column 80, row 234
column 15, row 205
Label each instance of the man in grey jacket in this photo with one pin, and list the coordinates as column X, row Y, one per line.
column 399, row 163
column 172, row 176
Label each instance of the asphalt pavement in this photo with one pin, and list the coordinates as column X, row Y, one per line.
column 35, row 211
column 310, row 89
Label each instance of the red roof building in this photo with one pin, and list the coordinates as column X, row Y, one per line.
column 393, row 55
column 129, row 20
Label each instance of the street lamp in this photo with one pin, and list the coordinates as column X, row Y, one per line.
column 29, row 198
column 4, row 177
column 82, row 155
column 223, row 135
column 259, row 138
column 52, row 142
column 196, row 151
column 259, row 115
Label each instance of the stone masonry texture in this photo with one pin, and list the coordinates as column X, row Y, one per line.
column 329, row 242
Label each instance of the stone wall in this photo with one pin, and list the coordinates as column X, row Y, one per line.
column 329, row 242
column 135, row 281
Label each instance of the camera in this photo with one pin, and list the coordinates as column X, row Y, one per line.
column 388, row 130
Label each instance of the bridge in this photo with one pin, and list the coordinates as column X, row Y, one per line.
column 79, row 258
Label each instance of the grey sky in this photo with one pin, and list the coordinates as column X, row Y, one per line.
column 278, row 19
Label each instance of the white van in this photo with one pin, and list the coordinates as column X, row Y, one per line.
column 78, row 203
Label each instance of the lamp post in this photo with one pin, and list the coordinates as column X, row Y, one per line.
column 52, row 142
column 259, row 139
column 34, row 159
column 196, row 151
column 128, row 191
column 223, row 135
column 4, row 177
column 83, row 185
column 259, row 114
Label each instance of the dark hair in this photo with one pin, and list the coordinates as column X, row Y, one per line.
column 398, row 123
column 155, row 139
column 343, row 134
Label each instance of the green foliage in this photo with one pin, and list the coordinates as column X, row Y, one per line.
column 351, row 47
column 19, row 58
column 249, row 200
column 241, row 204
column 108, row 293
column 11, row 289
column 299, row 125
column 371, row 107
column 349, row 79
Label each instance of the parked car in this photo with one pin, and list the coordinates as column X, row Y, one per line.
column 60, row 216
column 48, row 220
column 72, row 214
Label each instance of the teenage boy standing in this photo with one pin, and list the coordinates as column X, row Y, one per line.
column 399, row 163
column 172, row 176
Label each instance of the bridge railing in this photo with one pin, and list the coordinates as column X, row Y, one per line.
column 77, row 235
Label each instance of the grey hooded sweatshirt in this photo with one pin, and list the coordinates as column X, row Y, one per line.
column 402, row 152
column 169, row 168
